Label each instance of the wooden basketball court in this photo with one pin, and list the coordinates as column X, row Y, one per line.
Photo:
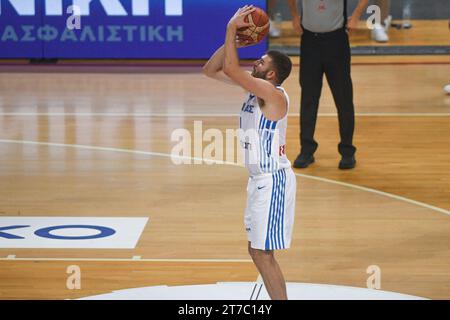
column 98, row 143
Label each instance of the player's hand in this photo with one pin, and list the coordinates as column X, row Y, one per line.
column 241, row 43
column 297, row 24
column 237, row 21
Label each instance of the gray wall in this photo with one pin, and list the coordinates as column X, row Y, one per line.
column 420, row 9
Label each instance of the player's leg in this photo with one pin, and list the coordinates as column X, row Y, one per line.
column 270, row 271
column 256, row 220
column 311, row 78
column 379, row 32
column 274, row 31
column 272, row 210
column 271, row 6
column 447, row 87
column 338, row 74
column 385, row 6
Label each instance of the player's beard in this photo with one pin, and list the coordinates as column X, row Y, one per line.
column 260, row 74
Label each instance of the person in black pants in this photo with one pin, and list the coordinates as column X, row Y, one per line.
column 325, row 50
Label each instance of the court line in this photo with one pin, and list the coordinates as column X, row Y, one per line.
column 166, row 155
column 221, row 115
column 9, row 258
column 95, row 148
column 381, row 193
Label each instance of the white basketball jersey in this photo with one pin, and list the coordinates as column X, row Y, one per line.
column 263, row 141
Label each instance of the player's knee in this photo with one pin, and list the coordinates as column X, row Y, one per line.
column 260, row 255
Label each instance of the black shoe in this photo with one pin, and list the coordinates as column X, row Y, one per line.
column 347, row 163
column 303, row 160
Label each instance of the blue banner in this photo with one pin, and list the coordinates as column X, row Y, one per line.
column 157, row 29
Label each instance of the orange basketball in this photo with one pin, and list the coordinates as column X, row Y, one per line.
column 258, row 30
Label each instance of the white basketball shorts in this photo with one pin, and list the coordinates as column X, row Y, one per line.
column 270, row 211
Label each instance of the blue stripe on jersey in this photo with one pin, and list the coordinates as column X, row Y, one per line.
column 275, row 224
column 282, row 206
column 268, row 244
column 279, row 232
column 275, row 213
column 263, row 138
column 266, row 135
column 261, row 151
column 269, row 149
column 280, row 210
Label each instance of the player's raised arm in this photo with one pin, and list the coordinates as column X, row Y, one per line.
column 261, row 88
column 214, row 66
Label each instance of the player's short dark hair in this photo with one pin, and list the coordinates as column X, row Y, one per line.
column 282, row 64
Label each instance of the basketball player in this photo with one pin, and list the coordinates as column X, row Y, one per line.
column 269, row 215
column 275, row 31
column 380, row 29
